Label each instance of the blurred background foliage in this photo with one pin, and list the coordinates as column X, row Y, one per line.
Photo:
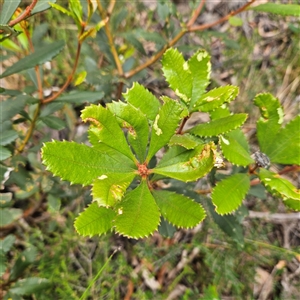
column 41, row 256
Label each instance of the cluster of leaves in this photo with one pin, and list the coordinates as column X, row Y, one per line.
column 111, row 163
column 117, row 170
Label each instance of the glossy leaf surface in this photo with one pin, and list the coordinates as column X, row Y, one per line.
column 270, row 122
column 215, row 98
column 286, row 147
column 229, row 193
column 200, row 67
column 107, row 129
column 94, row 220
column 137, row 214
column 186, row 165
column 177, row 73
column 79, row 163
column 219, row 126
column 164, row 126
column 110, row 188
column 178, row 209
column 136, row 123
column 278, row 185
column 235, row 148
column 142, row 99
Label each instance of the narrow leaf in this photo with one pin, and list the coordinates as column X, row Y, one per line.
column 219, row 126
column 142, row 99
column 137, row 214
column 279, row 9
column 54, row 122
column 107, row 129
column 286, row 146
column 215, row 98
column 188, row 141
column 11, row 107
column 110, row 188
column 40, row 56
column 229, row 193
column 79, row 163
column 42, row 5
column 270, row 122
column 200, row 67
column 178, row 209
column 94, row 220
column 177, row 73
column 186, row 165
column 136, row 123
column 4, row 153
column 7, row 137
column 279, row 186
column 80, row 97
column 233, row 148
column 8, row 9
column 164, row 126
column 29, row 286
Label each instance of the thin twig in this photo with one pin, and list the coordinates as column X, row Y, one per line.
column 113, row 49
column 225, row 18
column 26, row 13
column 70, row 77
column 182, row 33
column 196, row 14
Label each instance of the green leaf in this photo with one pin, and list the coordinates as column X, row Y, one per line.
column 279, row 9
column 219, row 126
column 269, row 124
column 279, row 186
column 188, row 141
column 166, row 229
column 131, row 38
column 215, row 98
column 26, row 258
column 29, row 286
column 61, row 9
column 229, row 193
column 79, row 163
column 107, row 129
column 7, row 243
column 292, row 203
column 137, row 214
column 8, row 9
column 235, row 148
column 54, row 122
column 11, row 107
column 142, row 99
column 40, row 56
column 7, row 137
column 4, row 153
column 164, row 126
column 286, row 146
column 178, row 209
column 110, row 188
column 200, row 67
column 186, row 165
column 94, row 220
column 235, row 21
column 136, row 123
column 80, row 97
column 220, row 112
column 229, row 224
column 42, row 5
column 177, row 73
column 76, row 8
